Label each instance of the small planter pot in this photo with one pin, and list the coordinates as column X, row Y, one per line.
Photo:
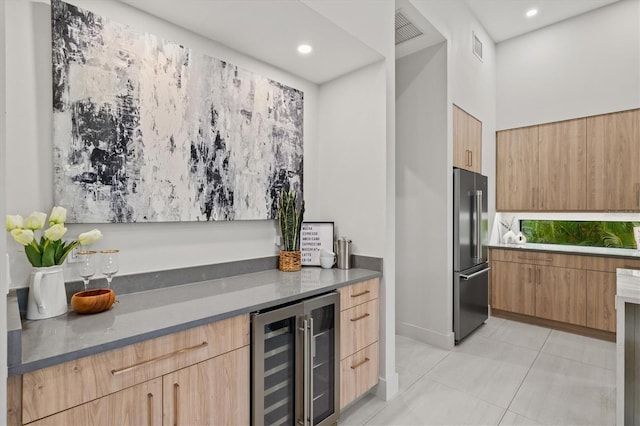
column 290, row 261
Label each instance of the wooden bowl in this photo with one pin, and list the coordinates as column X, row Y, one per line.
column 93, row 301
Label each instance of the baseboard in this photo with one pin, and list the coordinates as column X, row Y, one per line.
column 387, row 388
column 444, row 341
column 556, row 325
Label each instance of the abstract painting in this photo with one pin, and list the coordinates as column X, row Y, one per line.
column 147, row 130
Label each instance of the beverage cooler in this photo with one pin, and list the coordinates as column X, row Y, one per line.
column 295, row 354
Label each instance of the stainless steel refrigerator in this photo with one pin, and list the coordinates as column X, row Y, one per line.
column 295, row 363
column 470, row 267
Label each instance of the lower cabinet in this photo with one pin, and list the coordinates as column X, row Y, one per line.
column 359, row 334
column 137, row 405
column 213, row 392
column 196, row 376
column 561, row 294
column 512, row 287
column 578, row 290
column 601, row 300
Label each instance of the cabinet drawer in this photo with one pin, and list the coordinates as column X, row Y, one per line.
column 358, row 374
column 533, row 257
column 359, row 328
column 88, row 378
column 358, row 293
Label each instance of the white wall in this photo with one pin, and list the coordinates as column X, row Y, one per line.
column 471, row 85
column 583, row 66
column 147, row 246
column 372, row 22
column 3, row 282
column 422, row 194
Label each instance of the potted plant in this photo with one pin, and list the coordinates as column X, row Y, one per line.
column 290, row 216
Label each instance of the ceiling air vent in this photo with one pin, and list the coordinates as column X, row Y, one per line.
column 405, row 29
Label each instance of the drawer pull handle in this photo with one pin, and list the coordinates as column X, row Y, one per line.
column 360, row 317
column 176, row 389
column 547, row 259
column 150, row 408
column 366, row 360
column 159, row 358
column 361, row 294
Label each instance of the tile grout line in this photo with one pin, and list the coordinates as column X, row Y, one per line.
column 525, row 377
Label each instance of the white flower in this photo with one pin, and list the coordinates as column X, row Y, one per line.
column 14, row 222
column 35, row 221
column 55, row 232
column 58, row 215
column 22, row 236
column 90, row 237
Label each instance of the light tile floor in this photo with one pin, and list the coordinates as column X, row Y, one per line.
column 506, row 373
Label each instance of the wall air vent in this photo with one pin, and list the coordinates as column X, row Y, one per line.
column 405, row 29
column 476, row 45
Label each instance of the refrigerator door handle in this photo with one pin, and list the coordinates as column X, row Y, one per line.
column 475, row 274
column 478, row 225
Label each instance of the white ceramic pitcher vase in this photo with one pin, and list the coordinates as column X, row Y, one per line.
column 47, row 294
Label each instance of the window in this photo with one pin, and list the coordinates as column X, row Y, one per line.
column 580, row 233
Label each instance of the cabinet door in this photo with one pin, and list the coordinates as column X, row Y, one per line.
column 601, row 300
column 467, row 141
column 460, row 139
column 563, row 166
column 474, row 127
column 613, row 156
column 213, row 392
column 137, row 405
column 512, row 287
column 561, row 294
column 517, row 169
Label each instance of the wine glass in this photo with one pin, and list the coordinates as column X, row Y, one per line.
column 110, row 264
column 86, row 266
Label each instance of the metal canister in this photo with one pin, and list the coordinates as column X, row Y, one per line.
column 343, row 251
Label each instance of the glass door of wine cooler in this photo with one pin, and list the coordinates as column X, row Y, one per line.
column 275, row 337
column 323, row 316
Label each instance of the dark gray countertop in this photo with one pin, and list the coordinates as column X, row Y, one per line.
column 559, row 248
column 153, row 313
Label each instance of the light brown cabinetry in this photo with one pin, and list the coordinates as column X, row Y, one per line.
column 359, row 334
column 517, row 169
column 512, row 287
column 562, row 162
column 585, row 164
column 577, row 290
column 97, row 380
column 542, row 168
column 213, row 392
column 601, row 300
column 613, row 155
column 561, row 294
column 467, row 141
column 138, row 405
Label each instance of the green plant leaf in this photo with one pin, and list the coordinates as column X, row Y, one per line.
column 48, row 255
column 33, row 256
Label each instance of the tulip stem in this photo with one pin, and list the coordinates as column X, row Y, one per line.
column 35, row 247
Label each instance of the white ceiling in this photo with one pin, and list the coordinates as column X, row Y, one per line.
column 504, row 19
column 270, row 31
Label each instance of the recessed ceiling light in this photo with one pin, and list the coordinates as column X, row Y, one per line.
column 531, row 13
column 304, row 49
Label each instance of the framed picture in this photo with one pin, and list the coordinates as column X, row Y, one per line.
column 315, row 236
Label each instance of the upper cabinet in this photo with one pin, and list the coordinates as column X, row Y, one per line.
column 517, row 169
column 562, row 165
column 613, row 161
column 586, row 164
column 467, row 141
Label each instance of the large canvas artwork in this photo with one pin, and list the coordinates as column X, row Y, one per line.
column 147, row 130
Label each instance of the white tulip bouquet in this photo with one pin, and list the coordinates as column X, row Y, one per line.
column 50, row 250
